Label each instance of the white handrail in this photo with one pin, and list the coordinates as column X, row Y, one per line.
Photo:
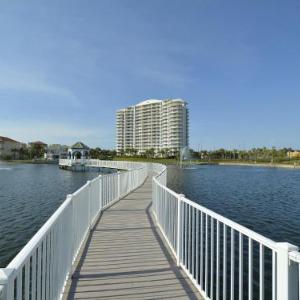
column 41, row 268
column 206, row 243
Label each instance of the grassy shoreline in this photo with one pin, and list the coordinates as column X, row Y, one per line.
column 172, row 161
column 267, row 165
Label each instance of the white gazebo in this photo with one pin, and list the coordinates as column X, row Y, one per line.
column 79, row 151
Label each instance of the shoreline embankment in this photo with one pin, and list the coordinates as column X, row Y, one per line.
column 266, row 165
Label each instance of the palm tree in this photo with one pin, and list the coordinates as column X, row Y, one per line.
column 162, row 152
column 150, row 153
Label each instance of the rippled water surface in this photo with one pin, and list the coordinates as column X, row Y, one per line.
column 266, row 200
column 29, row 194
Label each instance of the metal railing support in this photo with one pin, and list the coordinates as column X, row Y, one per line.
column 100, row 192
column 89, row 204
column 179, row 229
column 287, row 273
column 119, row 184
column 69, row 196
column 5, row 282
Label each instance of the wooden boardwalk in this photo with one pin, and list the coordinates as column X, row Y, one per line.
column 125, row 257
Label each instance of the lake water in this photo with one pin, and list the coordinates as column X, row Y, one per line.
column 266, row 200
column 29, row 194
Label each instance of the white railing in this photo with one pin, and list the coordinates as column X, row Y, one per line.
column 41, row 268
column 294, row 272
column 223, row 259
column 65, row 162
column 121, row 165
column 73, row 161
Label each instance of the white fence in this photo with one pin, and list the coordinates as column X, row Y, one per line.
column 65, row 162
column 41, row 268
column 223, row 259
column 122, row 165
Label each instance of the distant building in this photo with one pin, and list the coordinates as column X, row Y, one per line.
column 39, row 144
column 78, row 150
column 37, row 149
column 55, row 151
column 293, row 154
column 153, row 124
column 9, row 147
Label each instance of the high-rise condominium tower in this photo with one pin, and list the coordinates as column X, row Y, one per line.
column 153, row 124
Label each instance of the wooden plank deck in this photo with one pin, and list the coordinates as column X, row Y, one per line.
column 125, row 257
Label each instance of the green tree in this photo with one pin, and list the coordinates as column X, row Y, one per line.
column 14, row 152
column 23, row 153
column 150, row 153
column 36, row 151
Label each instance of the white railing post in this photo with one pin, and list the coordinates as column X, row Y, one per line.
column 287, row 273
column 73, row 235
column 100, row 192
column 5, row 283
column 89, row 203
column 179, row 227
column 119, row 184
column 153, row 196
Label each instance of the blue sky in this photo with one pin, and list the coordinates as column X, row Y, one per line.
column 67, row 66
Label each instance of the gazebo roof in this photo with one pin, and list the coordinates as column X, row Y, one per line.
column 80, row 145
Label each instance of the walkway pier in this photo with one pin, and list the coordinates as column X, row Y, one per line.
column 125, row 257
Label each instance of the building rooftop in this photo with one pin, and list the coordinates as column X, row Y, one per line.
column 79, row 145
column 153, row 101
column 149, row 101
column 176, row 100
column 6, row 139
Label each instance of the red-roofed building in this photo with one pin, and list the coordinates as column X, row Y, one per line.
column 38, row 143
column 9, row 148
column 37, row 149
